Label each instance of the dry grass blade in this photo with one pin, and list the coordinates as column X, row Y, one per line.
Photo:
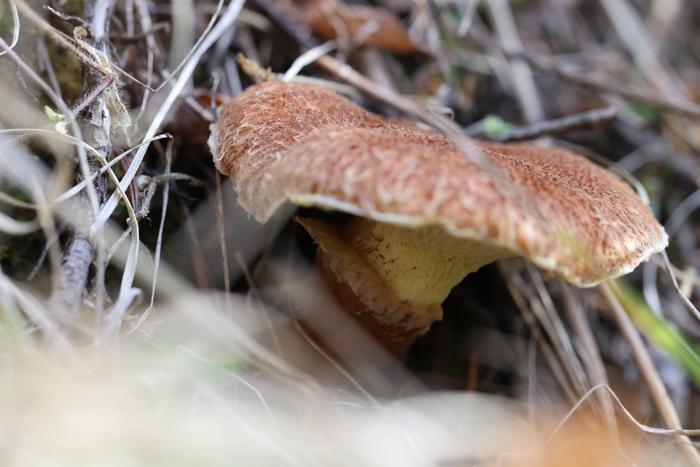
column 159, row 242
column 590, row 354
column 207, row 41
column 521, row 75
column 15, row 26
column 516, row 287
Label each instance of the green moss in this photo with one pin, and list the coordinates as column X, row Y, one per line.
column 495, row 125
column 647, row 113
column 6, row 24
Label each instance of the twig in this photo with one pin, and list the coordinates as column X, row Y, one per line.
column 129, row 25
column 585, row 80
column 152, row 52
column 253, row 69
column 82, row 247
column 583, row 120
column 47, row 66
column 222, row 238
column 515, row 285
column 196, row 257
column 649, row 373
column 204, row 113
column 68, row 291
column 590, row 354
column 227, row 19
column 99, row 131
column 161, row 226
column 307, row 58
column 686, row 301
column 626, row 91
column 146, row 24
column 220, row 219
column 636, row 38
column 286, row 17
column 520, row 73
column 542, row 305
column 65, row 17
column 102, row 84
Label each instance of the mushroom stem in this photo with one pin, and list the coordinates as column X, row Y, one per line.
column 392, row 278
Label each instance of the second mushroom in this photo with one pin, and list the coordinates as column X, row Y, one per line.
column 423, row 211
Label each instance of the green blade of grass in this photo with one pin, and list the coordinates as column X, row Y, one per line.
column 661, row 332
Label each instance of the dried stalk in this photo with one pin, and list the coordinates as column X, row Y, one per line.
column 583, row 120
column 520, row 72
column 81, row 250
column 590, row 354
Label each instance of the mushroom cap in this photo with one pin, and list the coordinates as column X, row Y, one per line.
column 305, row 144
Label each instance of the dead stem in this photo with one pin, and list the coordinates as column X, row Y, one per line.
column 68, row 293
column 515, row 288
column 590, row 354
column 520, row 73
column 585, row 120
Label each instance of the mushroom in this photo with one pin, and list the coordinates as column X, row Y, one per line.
column 424, row 212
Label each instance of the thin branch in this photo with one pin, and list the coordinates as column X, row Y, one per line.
column 75, row 265
column 520, row 73
column 673, row 105
column 590, row 354
column 586, row 80
column 221, row 224
column 583, row 120
column 161, row 226
column 515, row 285
column 94, row 94
column 82, row 249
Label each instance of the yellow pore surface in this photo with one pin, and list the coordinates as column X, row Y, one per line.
column 420, row 265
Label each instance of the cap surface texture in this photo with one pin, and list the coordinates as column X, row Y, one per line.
column 281, row 141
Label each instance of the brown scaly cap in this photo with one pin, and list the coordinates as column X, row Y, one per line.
column 305, row 144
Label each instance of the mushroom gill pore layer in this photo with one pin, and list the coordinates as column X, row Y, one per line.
column 413, row 190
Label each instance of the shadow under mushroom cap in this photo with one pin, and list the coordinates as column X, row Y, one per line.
column 281, row 141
